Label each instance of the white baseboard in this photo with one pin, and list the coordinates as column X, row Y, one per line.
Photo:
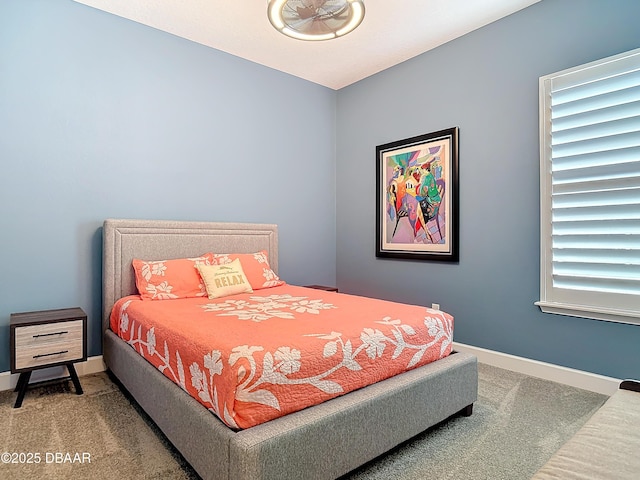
column 547, row 371
column 8, row 380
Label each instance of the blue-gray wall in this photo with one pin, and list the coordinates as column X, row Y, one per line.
column 486, row 83
column 102, row 117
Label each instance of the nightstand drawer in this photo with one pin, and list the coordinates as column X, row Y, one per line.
column 37, row 335
column 47, row 354
column 37, row 345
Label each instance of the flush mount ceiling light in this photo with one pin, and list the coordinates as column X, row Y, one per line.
column 315, row 19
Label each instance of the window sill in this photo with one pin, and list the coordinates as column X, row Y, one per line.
column 606, row 314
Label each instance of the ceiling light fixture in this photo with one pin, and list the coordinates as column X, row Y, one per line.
column 315, row 19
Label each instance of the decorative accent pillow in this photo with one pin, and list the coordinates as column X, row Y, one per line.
column 224, row 280
column 256, row 267
column 165, row 279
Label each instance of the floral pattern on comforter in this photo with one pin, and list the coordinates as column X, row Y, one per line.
column 253, row 357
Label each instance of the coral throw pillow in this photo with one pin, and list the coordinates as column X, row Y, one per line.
column 165, row 279
column 224, row 280
column 256, row 267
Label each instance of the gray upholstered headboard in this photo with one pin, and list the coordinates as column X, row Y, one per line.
column 125, row 240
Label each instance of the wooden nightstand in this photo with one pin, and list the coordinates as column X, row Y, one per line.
column 323, row 287
column 46, row 339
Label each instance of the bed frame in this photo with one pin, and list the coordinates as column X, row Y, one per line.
column 318, row 443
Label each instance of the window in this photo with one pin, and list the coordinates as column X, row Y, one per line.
column 590, row 190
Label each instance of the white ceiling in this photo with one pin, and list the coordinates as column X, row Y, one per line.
column 392, row 31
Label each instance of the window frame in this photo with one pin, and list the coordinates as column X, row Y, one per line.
column 556, row 300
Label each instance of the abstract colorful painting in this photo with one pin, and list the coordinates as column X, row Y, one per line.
column 417, row 197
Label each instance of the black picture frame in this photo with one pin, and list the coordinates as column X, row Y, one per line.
column 417, row 197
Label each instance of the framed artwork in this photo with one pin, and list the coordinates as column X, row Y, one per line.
column 417, row 197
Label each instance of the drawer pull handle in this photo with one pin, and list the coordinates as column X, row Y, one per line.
column 49, row 354
column 49, row 334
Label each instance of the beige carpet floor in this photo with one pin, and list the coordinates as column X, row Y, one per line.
column 517, row 424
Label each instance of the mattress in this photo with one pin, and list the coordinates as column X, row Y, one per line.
column 250, row 358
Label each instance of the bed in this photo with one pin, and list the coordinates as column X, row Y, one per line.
column 319, row 442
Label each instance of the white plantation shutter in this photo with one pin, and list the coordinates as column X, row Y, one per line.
column 590, row 190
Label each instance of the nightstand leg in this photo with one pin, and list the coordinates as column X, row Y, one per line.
column 74, row 378
column 19, row 383
column 23, row 383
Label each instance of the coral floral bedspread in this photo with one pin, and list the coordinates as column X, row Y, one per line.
column 253, row 357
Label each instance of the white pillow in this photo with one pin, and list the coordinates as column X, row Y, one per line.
column 223, row 280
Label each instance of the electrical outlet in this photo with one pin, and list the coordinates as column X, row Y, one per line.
column 435, row 306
